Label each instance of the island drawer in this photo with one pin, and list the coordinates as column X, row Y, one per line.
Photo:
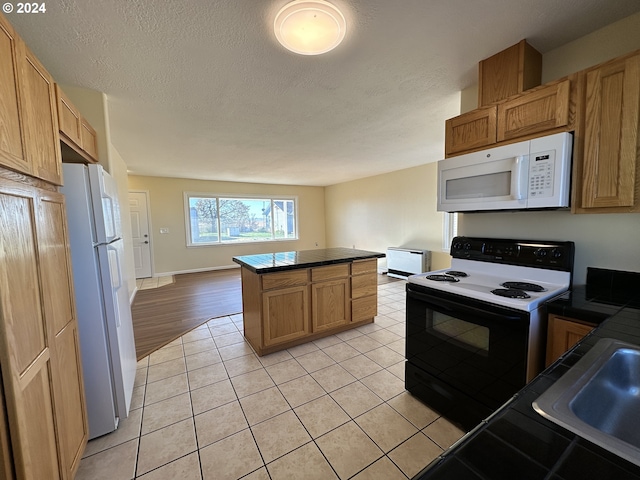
column 364, row 285
column 289, row 278
column 319, row 274
column 364, row 266
column 364, row 308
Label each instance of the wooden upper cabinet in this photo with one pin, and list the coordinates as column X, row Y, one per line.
column 40, row 118
column 28, row 113
column 508, row 73
column 69, row 118
column 610, row 159
column 12, row 154
column 89, row 140
column 541, row 110
column 76, row 132
column 472, row 130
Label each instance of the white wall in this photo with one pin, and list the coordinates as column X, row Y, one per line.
column 605, row 240
column 166, row 203
column 397, row 209
column 93, row 106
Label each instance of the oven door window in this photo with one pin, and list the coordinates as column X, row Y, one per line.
column 463, row 334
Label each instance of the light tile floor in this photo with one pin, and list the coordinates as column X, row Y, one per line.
column 206, row 407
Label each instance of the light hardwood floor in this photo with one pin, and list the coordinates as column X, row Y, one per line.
column 160, row 315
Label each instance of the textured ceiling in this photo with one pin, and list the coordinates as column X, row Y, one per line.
column 201, row 89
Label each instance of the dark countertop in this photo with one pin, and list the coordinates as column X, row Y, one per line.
column 518, row 443
column 275, row 262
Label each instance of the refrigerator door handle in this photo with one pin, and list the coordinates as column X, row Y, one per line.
column 108, row 208
column 116, row 273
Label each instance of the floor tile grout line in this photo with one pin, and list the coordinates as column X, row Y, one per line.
column 147, row 367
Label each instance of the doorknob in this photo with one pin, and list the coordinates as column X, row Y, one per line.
column 147, row 241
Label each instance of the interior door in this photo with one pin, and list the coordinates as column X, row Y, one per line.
column 140, row 233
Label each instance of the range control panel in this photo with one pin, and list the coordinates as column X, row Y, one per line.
column 526, row 253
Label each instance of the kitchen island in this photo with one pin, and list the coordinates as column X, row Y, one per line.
column 289, row 298
column 516, row 441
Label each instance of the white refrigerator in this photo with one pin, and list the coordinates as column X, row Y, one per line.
column 102, row 296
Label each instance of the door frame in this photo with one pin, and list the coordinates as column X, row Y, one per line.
column 149, row 223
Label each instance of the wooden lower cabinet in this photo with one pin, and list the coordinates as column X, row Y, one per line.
column 284, row 309
column 562, row 334
column 330, row 304
column 285, row 314
column 39, row 354
column 364, row 290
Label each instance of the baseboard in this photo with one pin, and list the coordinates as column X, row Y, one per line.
column 133, row 295
column 196, row 270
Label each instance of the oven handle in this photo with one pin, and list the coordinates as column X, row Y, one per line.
column 457, row 307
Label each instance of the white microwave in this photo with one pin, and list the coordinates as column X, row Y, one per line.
column 532, row 174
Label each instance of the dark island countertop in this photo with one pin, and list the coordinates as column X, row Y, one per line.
column 518, row 443
column 276, row 262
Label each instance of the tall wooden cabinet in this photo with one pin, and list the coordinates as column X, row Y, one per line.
column 40, row 357
column 43, row 424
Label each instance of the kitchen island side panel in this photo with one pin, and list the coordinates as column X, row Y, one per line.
column 252, row 308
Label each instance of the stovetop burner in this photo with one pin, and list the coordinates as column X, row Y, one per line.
column 518, row 274
column 529, row 287
column 510, row 293
column 457, row 273
column 442, row 278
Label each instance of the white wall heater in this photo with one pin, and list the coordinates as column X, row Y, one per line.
column 402, row 262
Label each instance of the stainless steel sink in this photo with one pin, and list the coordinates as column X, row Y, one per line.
column 599, row 398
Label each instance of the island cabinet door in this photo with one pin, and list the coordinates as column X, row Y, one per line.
column 330, row 304
column 285, row 314
column 330, row 297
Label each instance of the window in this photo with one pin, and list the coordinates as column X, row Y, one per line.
column 213, row 219
column 449, row 230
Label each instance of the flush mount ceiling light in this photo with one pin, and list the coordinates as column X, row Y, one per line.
column 309, row 27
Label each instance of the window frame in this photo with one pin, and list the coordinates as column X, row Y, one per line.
column 235, row 196
column 449, row 229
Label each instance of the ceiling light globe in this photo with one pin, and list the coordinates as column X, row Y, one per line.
column 310, row 27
